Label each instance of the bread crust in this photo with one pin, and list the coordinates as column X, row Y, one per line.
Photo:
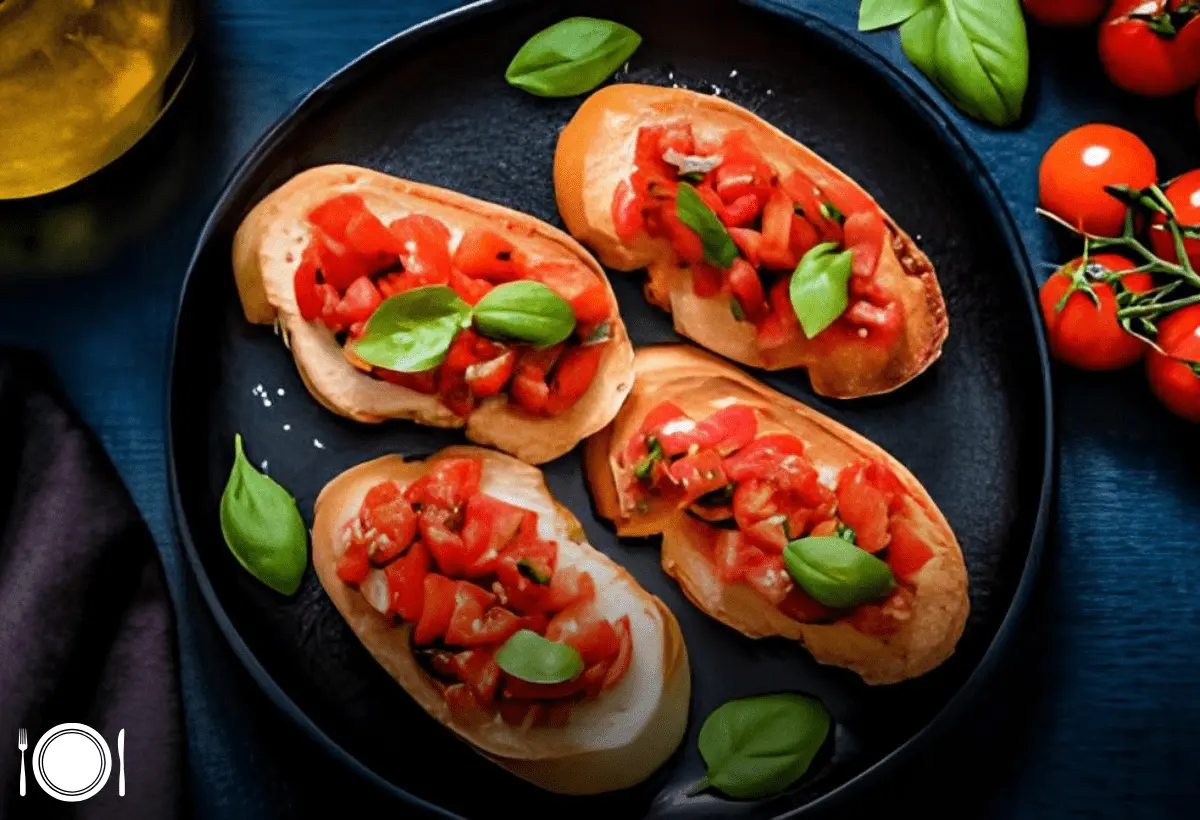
column 612, row 742
column 695, row 381
column 266, row 253
column 596, row 151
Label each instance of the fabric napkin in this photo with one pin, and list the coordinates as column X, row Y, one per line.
column 86, row 628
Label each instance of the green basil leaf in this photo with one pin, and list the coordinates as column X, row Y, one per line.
column 262, row 526
column 719, row 248
column 530, row 657
column 532, row 572
column 525, row 311
column 820, row 288
column 412, row 331
column 654, row 455
column 877, row 14
column 846, row 533
column 837, row 573
column 976, row 52
column 572, row 57
column 756, row 747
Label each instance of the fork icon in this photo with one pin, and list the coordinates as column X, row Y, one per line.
column 22, row 744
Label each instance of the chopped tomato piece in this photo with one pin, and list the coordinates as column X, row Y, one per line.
column 770, row 534
column 333, row 215
column 423, row 382
column 620, row 664
column 478, row 670
column 754, row 501
column 485, row 254
column 803, row 194
column 449, row 484
column 770, row 579
column 446, row 545
column 342, row 265
column 471, row 627
column 864, row 236
column 469, row 290
column 437, row 609
column 907, row 553
column 580, row 627
column 684, row 240
column 883, row 619
column 706, row 280
column 734, row 556
column 864, row 509
column 570, row 585
column 776, row 250
column 309, row 299
column 573, row 376
column 395, row 525
column 749, row 242
column 368, row 236
column 727, row 430
column 529, row 388
column 710, row 198
column 489, row 526
column 761, row 457
column 406, row 583
column 740, row 177
column 846, row 196
column 627, row 212
column 804, row 237
column 747, row 288
column 742, row 211
column 677, row 138
column 523, row 690
column 581, row 287
column 488, row 378
column 424, row 248
column 660, row 417
column 392, row 283
column 354, row 564
column 525, row 571
column 827, row 527
column 698, row 475
column 460, row 698
column 802, row 607
column 360, row 301
column 781, row 326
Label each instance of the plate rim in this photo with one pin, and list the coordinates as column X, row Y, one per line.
column 71, row 728
column 926, row 106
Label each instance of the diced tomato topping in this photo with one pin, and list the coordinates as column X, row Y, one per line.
column 470, row 626
column 523, row 690
column 749, row 242
column 437, row 609
column 340, row 264
column 627, row 212
column 864, row 508
column 333, row 215
column 706, row 280
column 593, row 637
column 354, row 564
column 770, row 579
column 864, row 236
column 761, row 457
column 395, row 526
column 677, row 138
column 489, row 378
column 907, row 553
column 846, row 196
column 460, row 698
column 769, row 534
column 698, row 475
column 804, row 237
column 754, row 501
column 747, row 288
column 423, row 382
column 406, row 583
column 526, row 570
column 369, row 237
column 742, row 211
column 309, row 299
column 570, row 586
column 485, row 254
column 726, row 430
column 359, row 302
column 469, row 290
column 733, row 556
column 530, row 390
column 776, row 251
column 884, row 619
column 804, row 196
column 781, row 327
column 620, row 664
column 424, row 248
column 490, row 525
column 684, row 240
column 478, row 670
column 573, row 376
column 802, row 607
column 583, row 289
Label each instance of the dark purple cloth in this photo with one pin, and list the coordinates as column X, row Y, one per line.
column 86, row 628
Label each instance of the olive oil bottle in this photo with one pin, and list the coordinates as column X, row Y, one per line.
column 81, row 81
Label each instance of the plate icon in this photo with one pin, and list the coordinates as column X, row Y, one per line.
column 71, row 762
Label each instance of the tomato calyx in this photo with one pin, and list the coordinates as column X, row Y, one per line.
column 1168, row 22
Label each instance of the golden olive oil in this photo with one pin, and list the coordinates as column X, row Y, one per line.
column 81, row 81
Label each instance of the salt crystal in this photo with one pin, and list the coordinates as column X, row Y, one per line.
column 287, row 427
column 733, row 74
column 264, row 465
column 280, row 391
column 266, row 402
column 317, row 443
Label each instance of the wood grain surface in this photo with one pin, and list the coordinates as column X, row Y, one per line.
column 1097, row 709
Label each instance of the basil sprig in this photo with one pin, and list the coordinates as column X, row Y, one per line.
column 975, row 51
column 757, row 747
column 820, row 287
column 836, row 573
column 262, row 526
column 412, row 331
column 572, row 57
column 530, row 657
column 525, row 311
column 719, row 248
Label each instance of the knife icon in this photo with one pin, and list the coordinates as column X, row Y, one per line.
column 121, row 755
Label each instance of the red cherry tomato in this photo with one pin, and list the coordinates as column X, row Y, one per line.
column 1081, row 163
column 1184, row 194
column 1150, row 48
column 1083, row 334
column 1066, row 12
column 1175, row 377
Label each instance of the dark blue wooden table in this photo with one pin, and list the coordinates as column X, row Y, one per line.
column 1097, row 710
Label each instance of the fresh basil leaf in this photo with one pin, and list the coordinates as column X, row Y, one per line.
column 831, row 213
column 719, row 248
column 600, row 334
column 877, row 14
column 693, row 177
column 976, row 52
column 525, row 311
column 411, row 331
column 735, row 307
column 572, row 57
column 530, row 657
column 644, row 467
column 262, row 526
column 530, row 571
column 847, row 533
column 757, row 747
column 836, row 573
column 820, row 288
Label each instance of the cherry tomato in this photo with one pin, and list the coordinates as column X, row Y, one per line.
column 1081, row 163
column 1083, row 334
column 1175, row 377
column 1150, row 48
column 1184, row 194
column 1066, row 12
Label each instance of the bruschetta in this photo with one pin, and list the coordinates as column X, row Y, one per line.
column 734, row 475
column 438, row 564
column 319, row 255
column 621, row 166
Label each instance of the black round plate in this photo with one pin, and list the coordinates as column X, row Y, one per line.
column 432, row 105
